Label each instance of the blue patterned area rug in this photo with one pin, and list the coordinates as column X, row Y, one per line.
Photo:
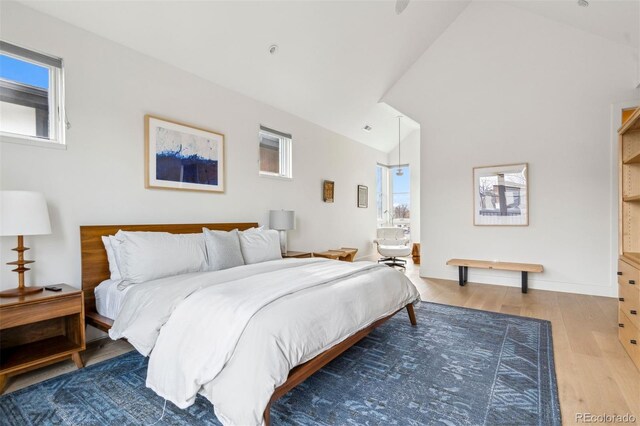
column 458, row 367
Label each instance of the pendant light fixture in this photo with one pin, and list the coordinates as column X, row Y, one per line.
column 399, row 171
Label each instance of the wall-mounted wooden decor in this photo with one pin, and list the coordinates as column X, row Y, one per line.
column 327, row 191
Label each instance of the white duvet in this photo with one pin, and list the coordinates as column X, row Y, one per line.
column 234, row 335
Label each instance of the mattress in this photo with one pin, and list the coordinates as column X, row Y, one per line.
column 109, row 298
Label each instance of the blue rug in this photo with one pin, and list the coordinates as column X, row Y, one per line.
column 458, row 367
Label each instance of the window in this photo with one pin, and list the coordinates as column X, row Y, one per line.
column 393, row 198
column 275, row 153
column 400, row 198
column 31, row 95
column 382, row 176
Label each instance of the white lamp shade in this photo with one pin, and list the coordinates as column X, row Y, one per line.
column 23, row 213
column 282, row 220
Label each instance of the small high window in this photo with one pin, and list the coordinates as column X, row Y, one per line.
column 31, row 95
column 275, row 153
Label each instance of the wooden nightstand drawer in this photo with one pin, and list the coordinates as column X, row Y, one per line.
column 12, row 316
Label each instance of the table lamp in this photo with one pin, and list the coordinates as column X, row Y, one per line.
column 282, row 220
column 22, row 213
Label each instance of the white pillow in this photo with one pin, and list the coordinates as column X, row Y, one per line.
column 111, row 257
column 146, row 256
column 260, row 246
column 223, row 249
column 254, row 229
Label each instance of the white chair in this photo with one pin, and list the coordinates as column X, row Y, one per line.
column 392, row 244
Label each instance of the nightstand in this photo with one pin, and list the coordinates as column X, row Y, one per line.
column 40, row 329
column 297, row 254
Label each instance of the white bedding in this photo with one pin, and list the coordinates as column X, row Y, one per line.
column 236, row 339
column 109, row 299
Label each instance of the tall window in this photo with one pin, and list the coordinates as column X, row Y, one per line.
column 31, row 95
column 393, row 198
column 382, row 174
column 275, row 153
column 400, row 196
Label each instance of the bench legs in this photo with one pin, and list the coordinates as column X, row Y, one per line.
column 462, row 274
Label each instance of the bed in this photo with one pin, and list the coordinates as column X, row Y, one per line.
column 193, row 321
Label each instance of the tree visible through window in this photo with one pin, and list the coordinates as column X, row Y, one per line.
column 393, row 198
column 401, row 199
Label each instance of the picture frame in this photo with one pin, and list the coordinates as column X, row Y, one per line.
column 183, row 157
column 328, row 187
column 501, row 195
column 363, row 196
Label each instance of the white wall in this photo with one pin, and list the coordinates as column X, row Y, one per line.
column 502, row 86
column 99, row 179
column 410, row 154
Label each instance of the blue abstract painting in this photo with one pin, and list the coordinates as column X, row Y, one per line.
column 182, row 157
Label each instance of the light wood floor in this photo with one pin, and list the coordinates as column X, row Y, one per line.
column 595, row 375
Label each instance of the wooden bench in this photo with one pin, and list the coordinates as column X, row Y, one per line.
column 464, row 264
column 345, row 254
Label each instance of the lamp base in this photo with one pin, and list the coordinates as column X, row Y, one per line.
column 21, row 291
column 283, row 242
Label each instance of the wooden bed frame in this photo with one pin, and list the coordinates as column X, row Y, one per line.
column 95, row 269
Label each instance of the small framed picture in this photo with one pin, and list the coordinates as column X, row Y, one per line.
column 327, row 191
column 501, row 195
column 363, row 196
column 180, row 156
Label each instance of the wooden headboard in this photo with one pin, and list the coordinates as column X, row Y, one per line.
column 95, row 267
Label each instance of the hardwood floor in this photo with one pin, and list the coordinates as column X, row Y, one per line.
column 595, row 375
column 97, row 351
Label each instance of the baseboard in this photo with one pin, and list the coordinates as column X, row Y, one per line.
column 536, row 284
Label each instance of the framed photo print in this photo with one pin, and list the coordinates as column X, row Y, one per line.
column 179, row 156
column 327, row 191
column 501, row 195
column 363, row 196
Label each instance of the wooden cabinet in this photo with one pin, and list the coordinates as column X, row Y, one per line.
column 629, row 236
column 40, row 329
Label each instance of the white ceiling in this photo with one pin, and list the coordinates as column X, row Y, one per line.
column 336, row 59
column 616, row 20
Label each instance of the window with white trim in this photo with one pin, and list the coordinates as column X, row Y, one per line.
column 393, row 198
column 31, row 95
column 275, row 153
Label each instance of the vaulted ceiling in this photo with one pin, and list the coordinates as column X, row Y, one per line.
column 335, row 59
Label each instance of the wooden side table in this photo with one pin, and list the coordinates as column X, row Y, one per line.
column 345, row 254
column 297, row 254
column 415, row 253
column 40, row 329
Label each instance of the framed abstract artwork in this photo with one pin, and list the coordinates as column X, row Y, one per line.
column 327, row 191
column 363, row 196
column 180, row 156
column 501, row 195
